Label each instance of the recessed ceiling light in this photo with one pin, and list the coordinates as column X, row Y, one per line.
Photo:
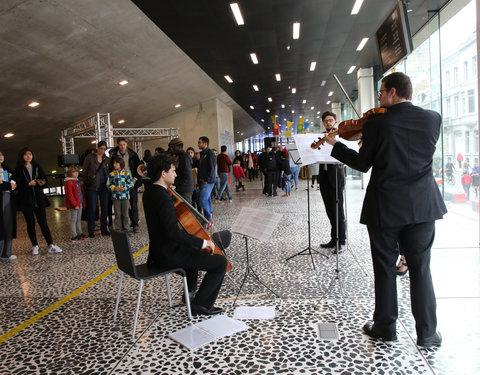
column 296, row 30
column 252, row 107
column 255, row 87
column 268, row 127
column 237, row 14
column 328, row 102
column 278, row 77
column 284, row 119
column 318, row 112
column 178, row 105
column 318, row 116
column 276, row 115
column 54, row 171
column 352, row 68
column 283, row 105
column 312, row 108
column 323, row 83
column 293, row 111
column 267, row 110
column 93, row 142
column 34, row 104
column 123, row 83
column 362, row 44
column 229, row 80
column 356, row 6
column 330, row 93
column 253, row 56
column 294, row 90
column 241, row 133
column 8, row 135
column 121, row 121
column 270, row 99
column 304, row 101
column 263, row 120
column 313, row 66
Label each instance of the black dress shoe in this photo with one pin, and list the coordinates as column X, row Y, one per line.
column 434, row 340
column 341, row 248
column 370, row 330
column 91, row 234
column 105, row 233
column 200, row 310
column 329, row 244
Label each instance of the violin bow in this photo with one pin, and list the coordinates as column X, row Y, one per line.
column 346, row 95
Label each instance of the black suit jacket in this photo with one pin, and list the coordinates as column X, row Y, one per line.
column 169, row 244
column 399, row 147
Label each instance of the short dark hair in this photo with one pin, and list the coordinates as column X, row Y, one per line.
column 121, row 139
column 191, row 148
column 119, row 160
column 328, row 113
column 205, row 140
column 101, row 143
column 401, row 82
column 159, row 150
column 158, row 164
column 21, row 154
column 223, row 148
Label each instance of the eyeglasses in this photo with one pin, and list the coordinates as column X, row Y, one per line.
column 379, row 93
column 102, row 148
column 329, row 120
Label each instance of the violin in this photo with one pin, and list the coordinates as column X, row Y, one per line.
column 351, row 130
column 188, row 217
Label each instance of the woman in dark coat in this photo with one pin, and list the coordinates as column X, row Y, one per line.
column 8, row 213
column 31, row 181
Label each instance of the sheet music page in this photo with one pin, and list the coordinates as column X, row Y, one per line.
column 256, row 223
column 310, row 156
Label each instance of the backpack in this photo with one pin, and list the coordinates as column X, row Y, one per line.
column 271, row 162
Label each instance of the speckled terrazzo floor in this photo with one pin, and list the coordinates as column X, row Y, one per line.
column 78, row 337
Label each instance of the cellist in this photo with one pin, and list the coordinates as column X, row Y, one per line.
column 170, row 246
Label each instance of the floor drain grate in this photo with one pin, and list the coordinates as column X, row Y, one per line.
column 327, row 331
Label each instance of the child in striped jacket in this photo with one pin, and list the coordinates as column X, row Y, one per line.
column 120, row 183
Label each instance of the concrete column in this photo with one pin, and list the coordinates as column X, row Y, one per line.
column 366, row 90
column 337, row 109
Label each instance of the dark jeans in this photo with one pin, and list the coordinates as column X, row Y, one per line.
column 92, row 201
column 29, row 215
column 133, row 211
column 224, row 185
column 272, row 182
column 415, row 241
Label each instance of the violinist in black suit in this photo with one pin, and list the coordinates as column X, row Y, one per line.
column 401, row 205
column 170, row 246
column 332, row 183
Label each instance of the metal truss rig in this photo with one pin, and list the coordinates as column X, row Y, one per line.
column 98, row 127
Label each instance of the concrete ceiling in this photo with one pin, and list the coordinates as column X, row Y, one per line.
column 69, row 55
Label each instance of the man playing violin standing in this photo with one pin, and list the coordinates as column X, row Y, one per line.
column 330, row 186
column 401, row 205
column 170, row 246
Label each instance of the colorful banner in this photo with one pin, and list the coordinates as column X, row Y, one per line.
column 288, row 133
column 306, row 125
column 289, row 124
column 276, row 132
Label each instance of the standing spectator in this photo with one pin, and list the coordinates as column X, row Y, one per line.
column 459, row 159
column 206, row 179
column 314, row 170
column 286, row 173
column 223, row 166
column 251, row 165
column 295, row 168
column 120, row 183
column 132, row 162
column 184, row 180
column 31, row 201
column 95, row 173
column 159, row 151
column 475, row 179
column 466, row 183
column 75, row 202
column 238, row 161
column 272, row 165
column 147, row 155
column 111, row 153
column 216, row 186
column 262, row 160
column 8, row 213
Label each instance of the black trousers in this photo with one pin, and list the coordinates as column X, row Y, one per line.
column 415, row 240
column 327, row 190
column 29, row 215
column 272, row 182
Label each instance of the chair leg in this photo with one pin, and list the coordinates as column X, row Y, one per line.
column 169, row 293
column 118, row 298
column 187, row 297
column 136, row 311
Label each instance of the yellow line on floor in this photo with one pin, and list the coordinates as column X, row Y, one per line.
column 64, row 300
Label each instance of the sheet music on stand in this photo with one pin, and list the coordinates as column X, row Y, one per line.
column 310, row 156
column 294, row 154
column 256, row 223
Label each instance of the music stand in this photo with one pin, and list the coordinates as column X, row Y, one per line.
column 256, row 224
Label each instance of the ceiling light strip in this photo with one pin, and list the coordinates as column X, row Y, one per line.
column 253, row 56
column 357, row 6
column 362, row 44
column 296, row 30
column 237, row 14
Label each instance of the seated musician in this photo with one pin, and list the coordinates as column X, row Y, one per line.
column 171, row 246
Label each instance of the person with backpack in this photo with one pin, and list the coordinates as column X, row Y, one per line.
column 272, row 167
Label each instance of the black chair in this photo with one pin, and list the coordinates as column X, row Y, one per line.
column 126, row 265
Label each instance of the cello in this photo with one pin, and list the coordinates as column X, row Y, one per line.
column 188, row 217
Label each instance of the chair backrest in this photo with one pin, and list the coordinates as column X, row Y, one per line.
column 121, row 246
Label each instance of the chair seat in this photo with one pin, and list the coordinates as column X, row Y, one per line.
column 145, row 271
